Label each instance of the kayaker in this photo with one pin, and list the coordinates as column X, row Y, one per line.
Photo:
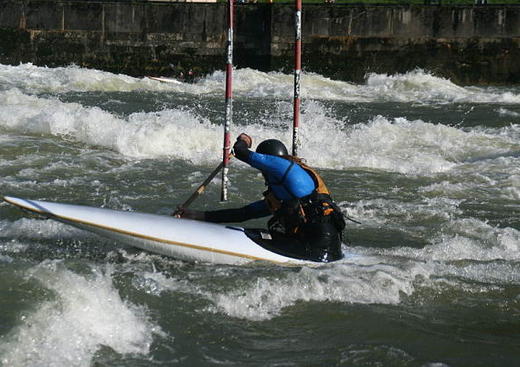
column 296, row 197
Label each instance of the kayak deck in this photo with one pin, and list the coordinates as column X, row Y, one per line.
column 183, row 239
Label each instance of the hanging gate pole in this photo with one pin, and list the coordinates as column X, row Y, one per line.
column 297, row 75
column 229, row 103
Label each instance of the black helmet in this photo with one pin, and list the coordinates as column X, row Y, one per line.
column 272, row 147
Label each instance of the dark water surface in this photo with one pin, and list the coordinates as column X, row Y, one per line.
column 430, row 169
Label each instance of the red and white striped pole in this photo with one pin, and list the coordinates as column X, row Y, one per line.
column 297, row 75
column 229, row 103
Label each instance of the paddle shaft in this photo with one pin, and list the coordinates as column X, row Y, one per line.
column 199, row 190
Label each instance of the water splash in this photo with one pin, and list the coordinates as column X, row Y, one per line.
column 168, row 133
column 84, row 313
column 347, row 282
column 396, row 145
column 39, row 229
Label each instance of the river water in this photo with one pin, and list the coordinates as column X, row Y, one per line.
column 430, row 169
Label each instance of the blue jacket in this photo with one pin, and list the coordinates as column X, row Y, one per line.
column 286, row 179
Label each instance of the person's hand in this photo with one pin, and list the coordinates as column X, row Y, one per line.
column 177, row 213
column 188, row 214
column 246, row 138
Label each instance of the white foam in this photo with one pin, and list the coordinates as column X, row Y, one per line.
column 392, row 213
column 4, row 259
column 487, row 181
column 346, row 282
column 168, row 133
column 417, row 86
column 505, row 112
column 156, row 283
column 464, row 239
column 495, row 274
column 353, row 280
column 397, row 145
column 474, row 239
column 401, row 146
column 84, row 313
column 37, row 79
column 511, row 190
column 423, row 87
column 366, row 275
column 39, row 229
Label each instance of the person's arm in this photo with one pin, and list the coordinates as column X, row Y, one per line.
column 275, row 166
column 257, row 209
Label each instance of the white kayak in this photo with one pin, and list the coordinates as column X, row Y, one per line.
column 182, row 239
column 164, row 79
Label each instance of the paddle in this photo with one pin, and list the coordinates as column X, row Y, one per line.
column 199, row 190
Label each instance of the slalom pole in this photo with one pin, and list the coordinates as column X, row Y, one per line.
column 229, row 103
column 297, row 75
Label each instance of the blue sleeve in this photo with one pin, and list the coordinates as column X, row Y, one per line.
column 270, row 164
column 296, row 181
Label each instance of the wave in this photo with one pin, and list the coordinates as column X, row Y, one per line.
column 418, row 86
column 396, row 145
column 474, row 258
column 38, row 79
column 168, row 133
column 462, row 255
column 81, row 314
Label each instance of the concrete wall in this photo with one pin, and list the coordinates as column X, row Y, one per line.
column 467, row 44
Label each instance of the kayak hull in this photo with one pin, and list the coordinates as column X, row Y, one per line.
column 182, row 239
